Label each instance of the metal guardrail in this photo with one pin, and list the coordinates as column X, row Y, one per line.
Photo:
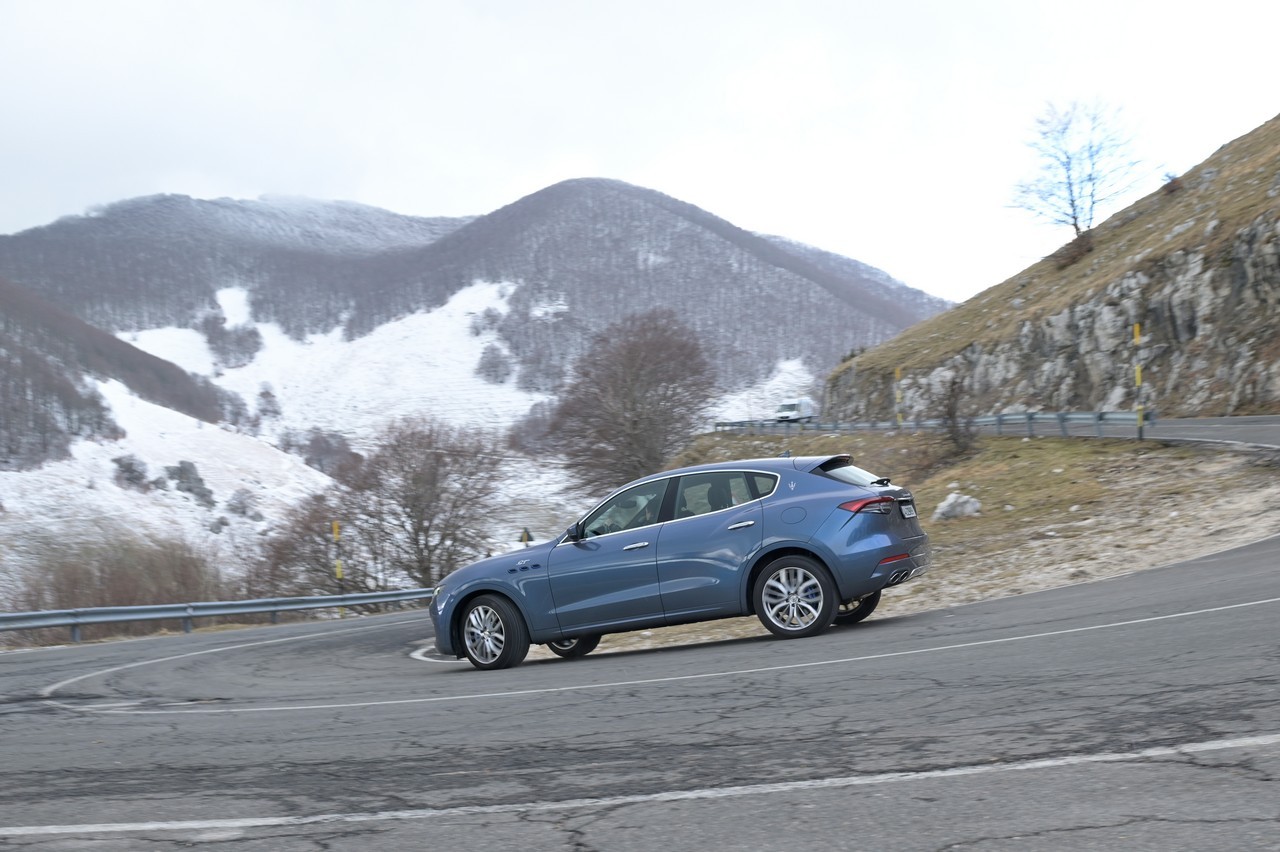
column 188, row 612
column 1028, row 419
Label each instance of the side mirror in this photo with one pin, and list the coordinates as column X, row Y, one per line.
column 574, row 533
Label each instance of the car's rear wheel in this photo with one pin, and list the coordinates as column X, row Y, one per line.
column 578, row 646
column 494, row 635
column 795, row 596
column 854, row 611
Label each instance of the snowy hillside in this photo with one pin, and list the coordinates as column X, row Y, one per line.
column 78, row 499
column 421, row 364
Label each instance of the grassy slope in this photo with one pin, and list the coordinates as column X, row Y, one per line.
column 1226, row 192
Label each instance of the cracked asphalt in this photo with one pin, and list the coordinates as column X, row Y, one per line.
column 1137, row 713
column 1047, row 721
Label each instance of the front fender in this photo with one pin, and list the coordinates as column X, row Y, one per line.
column 529, row 591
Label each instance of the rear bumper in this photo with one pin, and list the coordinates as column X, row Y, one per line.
column 906, row 560
column 908, row 569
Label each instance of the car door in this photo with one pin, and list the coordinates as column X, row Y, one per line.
column 716, row 529
column 608, row 579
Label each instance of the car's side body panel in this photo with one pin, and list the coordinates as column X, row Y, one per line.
column 701, row 560
column 607, row 581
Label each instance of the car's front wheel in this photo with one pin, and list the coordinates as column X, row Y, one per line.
column 494, row 635
column 854, row 611
column 578, row 646
column 795, row 596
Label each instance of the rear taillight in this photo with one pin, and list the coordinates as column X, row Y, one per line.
column 877, row 505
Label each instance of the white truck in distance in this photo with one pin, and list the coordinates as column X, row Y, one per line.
column 795, row 410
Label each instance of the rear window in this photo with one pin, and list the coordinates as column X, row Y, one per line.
column 843, row 470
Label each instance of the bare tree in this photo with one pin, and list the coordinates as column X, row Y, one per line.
column 1084, row 163
column 957, row 412
column 634, row 399
column 300, row 558
column 421, row 503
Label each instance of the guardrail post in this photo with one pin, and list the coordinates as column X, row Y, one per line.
column 1097, row 424
column 275, row 616
column 1031, row 424
column 1062, row 423
column 186, row 621
column 75, row 633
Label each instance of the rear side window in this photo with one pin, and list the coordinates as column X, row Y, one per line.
column 763, row 483
column 843, row 470
column 701, row 493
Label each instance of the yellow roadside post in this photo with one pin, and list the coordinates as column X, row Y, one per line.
column 337, row 564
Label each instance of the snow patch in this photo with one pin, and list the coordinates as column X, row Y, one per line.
column 234, row 303
column 420, row 364
column 549, row 307
column 78, row 499
column 182, row 346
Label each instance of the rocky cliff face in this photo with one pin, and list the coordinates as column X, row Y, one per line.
column 1195, row 265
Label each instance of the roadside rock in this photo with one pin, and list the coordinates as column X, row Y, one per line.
column 957, row 505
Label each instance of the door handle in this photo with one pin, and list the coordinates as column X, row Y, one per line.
column 636, row 546
column 741, row 525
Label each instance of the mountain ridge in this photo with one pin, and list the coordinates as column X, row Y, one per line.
column 601, row 248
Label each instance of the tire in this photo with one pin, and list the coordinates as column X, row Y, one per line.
column 854, row 611
column 571, row 649
column 494, row 635
column 795, row 597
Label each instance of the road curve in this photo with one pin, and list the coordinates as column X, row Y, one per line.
column 1140, row 712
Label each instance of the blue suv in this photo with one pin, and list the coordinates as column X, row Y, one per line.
column 802, row 543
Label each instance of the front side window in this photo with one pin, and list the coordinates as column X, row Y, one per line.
column 627, row 510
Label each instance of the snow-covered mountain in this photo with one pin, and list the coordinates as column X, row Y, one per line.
column 287, row 315
column 576, row 256
column 424, row 363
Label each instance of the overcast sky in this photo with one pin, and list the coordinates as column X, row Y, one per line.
column 891, row 132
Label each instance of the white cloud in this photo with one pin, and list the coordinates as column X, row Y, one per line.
column 890, row 133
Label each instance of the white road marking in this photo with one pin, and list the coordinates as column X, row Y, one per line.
column 426, row 655
column 48, row 691
column 704, row 793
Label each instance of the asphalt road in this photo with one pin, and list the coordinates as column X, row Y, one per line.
column 1141, row 712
